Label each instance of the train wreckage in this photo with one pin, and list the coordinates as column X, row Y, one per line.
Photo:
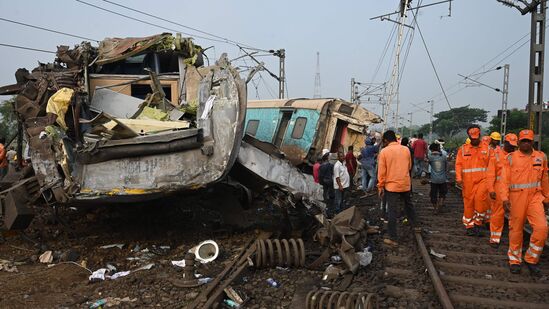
column 134, row 119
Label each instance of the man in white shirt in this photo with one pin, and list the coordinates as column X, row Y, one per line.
column 341, row 182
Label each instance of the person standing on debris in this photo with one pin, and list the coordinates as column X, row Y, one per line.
column 325, row 177
column 494, row 183
column 471, row 164
column 351, row 164
column 394, row 164
column 316, row 168
column 525, row 193
column 341, row 182
column 439, row 165
column 11, row 155
column 367, row 160
column 3, row 158
column 419, row 148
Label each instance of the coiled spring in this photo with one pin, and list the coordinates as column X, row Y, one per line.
column 280, row 252
column 324, row 299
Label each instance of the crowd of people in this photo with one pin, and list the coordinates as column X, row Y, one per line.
column 494, row 179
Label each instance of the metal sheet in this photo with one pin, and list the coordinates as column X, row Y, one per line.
column 114, row 103
column 278, row 171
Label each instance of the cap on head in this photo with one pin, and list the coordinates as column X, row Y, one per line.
column 526, row 134
column 473, row 132
column 511, row 138
column 325, row 152
column 495, row 136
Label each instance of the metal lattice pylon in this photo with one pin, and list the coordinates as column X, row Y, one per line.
column 317, row 77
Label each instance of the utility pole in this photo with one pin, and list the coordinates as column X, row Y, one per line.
column 353, row 93
column 537, row 10
column 431, row 125
column 505, row 94
column 411, row 123
column 317, row 92
column 281, row 54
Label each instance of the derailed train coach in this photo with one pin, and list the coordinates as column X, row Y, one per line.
column 131, row 119
column 302, row 128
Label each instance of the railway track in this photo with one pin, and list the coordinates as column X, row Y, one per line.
column 471, row 273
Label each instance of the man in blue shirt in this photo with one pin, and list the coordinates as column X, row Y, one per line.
column 367, row 160
column 438, row 164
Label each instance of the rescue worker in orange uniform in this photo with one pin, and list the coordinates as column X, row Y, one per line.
column 493, row 147
column 471, row 164
column 493, row 182
column 525, row 192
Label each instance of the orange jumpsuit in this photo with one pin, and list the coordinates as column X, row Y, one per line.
column 493, row 184
column 526, row 186
column 471, row 165
column 489, row 202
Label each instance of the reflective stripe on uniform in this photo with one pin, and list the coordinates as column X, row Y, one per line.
column 476, row 169
column 513, row 258
column 494, row 240
column 495, row 233
column 537, row 248
column 525, row 185
column 498, row 177
column 529, row 252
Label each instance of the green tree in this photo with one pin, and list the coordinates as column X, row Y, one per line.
column 8, row 119
column 516, row 121
column 449, row 123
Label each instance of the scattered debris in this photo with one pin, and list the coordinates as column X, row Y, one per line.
column 205, row 251
column 8, row 266
column 438, row 255
column 345, row 234
column 489, row 277
column 119, row 246
column 46, row 257
column 272, row 282
column 332, row 272
column 110, row 273
column 365, row 257
column 179, row 263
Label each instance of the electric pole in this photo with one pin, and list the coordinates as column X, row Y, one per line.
column 431, row 124
column 537, row 10
column 411, row 123
column 505, row 94
column 353, row 92
column 281, row 54
column 317, row 92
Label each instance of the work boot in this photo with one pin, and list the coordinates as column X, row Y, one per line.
column 478, row 231
column 514, row 268
column 534, row 270
column 494, row 245
column 471, row 231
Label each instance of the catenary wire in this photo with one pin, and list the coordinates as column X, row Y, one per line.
column 28, row 48
column 431, row 60
column 226, row 40
column 46, row 29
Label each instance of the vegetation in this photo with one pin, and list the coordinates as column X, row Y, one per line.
column 8, row 120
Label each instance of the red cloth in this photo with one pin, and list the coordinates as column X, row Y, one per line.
column 316, row 169
column 420, row 149
column 350, row 163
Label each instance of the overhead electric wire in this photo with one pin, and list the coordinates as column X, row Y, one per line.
column 384, row 52
column 431, row 60
column 147, row 23
column 28, row 48
column 46, row 29
column 226, row 40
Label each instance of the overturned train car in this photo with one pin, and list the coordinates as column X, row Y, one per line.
column 302, row 128
column 129, row 120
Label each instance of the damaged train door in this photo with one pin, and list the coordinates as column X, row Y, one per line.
column 285, row 117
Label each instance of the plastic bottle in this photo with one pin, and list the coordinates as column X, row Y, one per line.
column 231, row 303
column 272, row 282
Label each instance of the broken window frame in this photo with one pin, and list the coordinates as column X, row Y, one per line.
column 299, row 129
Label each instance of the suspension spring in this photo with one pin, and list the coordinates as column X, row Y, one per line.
column 280, row 252
column 320, row 299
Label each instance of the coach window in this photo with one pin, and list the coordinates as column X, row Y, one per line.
column 299, row 127
column 251, row 129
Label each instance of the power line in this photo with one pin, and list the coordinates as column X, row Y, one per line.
column 384, row 52
column 226, row 40
column 431, row 60
column 46, row 29
column 147, row 23
column 28, row 48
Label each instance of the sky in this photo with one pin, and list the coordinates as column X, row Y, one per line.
column 350, row 44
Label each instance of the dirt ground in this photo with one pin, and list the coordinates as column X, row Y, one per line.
column 158, row 233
